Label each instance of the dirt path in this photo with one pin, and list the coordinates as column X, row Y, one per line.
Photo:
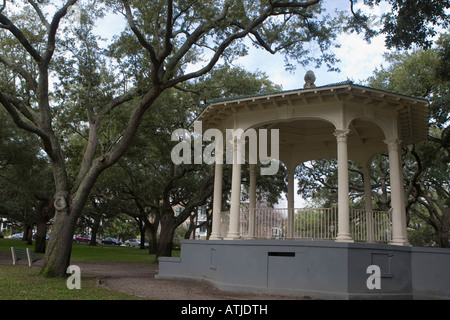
column 139, row 280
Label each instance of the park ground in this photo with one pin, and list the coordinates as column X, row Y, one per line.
column 107, row 273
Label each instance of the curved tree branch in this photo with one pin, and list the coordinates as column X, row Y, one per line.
column 294, row 4
column 144, row 43
column 20, row 120
column 32, row 83
column 7, row 24
column 54, row 28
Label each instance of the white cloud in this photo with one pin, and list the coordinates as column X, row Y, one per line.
column 272, row 65
column 110, row 25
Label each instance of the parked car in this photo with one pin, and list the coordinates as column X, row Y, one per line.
column 133, row 243
column 16, row 236
column 82, row 238
column 112, row 241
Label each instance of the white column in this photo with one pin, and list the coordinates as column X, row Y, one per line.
column 233, row 230
column 217, row 202
column 399, row 236
column 290, row 199
column 343, row 187
column 368, row 203
column 252, row 202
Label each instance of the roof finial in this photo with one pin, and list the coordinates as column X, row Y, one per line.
column 309, row 80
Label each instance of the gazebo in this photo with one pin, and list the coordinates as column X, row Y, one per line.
column 339, row 121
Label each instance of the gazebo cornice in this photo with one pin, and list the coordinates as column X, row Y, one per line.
column 326, row 89
column 339, row 92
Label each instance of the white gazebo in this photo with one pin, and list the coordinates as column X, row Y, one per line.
column 339, row 121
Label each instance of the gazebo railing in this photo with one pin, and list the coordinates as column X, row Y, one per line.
column 371, row 226
column 315, row 223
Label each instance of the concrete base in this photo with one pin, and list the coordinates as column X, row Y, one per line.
column 318, row 269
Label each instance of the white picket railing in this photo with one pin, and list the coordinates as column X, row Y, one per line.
column 374, row 226
column 313, row 223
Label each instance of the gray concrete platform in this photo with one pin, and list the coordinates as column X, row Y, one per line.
column 314, row 268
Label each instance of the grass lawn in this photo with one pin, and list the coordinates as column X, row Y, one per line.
column 84, row 252
column 110, row 254
column 25, row 283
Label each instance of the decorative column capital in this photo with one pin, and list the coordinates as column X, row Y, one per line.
column 393, row 143
column 341, row 135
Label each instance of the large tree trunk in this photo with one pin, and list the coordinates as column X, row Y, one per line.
column 443, row 240
column 41, row 234
column 152, row 242
column 94, row 230
column 165, row 245
column 142, row 230
column 67, row 211
column 152, row 235
column 27, row 233
column 43, row 213
column 443, row 232
column 57, row 257
column 190, row 232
